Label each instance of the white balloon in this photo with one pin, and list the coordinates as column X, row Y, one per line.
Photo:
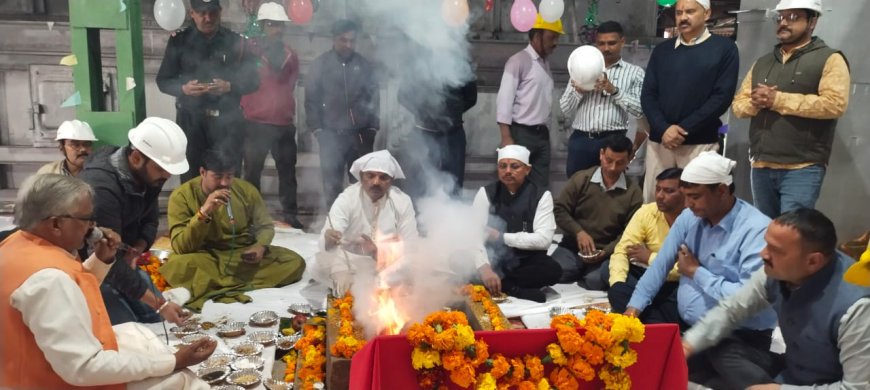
column 551, row 10
column 585, row 65
column 169, row 14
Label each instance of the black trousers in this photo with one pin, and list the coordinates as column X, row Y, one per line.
column 428, row 153
column 224, row 133
column 537, row 140
column 583, row 150
column 338, row 150
column 536, row 270
column 662, row 310
column 260, row 140
column 740, row 360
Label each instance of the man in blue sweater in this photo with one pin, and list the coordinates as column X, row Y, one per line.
column 689, row 83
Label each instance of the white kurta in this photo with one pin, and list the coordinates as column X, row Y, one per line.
column 354, row 214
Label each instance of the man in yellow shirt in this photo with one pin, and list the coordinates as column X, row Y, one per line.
column 794, row 96
column 636, row 250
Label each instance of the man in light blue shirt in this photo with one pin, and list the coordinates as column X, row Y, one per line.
column 715, row 243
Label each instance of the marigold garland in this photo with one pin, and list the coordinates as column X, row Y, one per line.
column 347, row 344
column 598, row 344
column 478, row 293
column 290, row 371
column 312, row 350
column 153, row 270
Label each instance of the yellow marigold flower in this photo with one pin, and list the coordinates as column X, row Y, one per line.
column 543, row 384
column 485, row 382
column 425, row 359
column 615, row 379
column 621, row 357
column 627, row 328
column 555, row 352
column 464, row 337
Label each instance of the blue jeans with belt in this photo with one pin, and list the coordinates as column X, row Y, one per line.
column 775, row 191
column 583, row 149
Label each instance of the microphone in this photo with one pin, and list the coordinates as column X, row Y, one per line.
column 96, row 235
column 230, row 211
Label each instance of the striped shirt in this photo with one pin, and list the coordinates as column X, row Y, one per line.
column 600, row 111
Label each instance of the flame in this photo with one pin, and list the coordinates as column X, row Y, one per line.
column 390, row 318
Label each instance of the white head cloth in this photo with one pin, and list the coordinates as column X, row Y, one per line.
column 516, row 152
column 704, row 3
column 380, row 161
column 709, row 168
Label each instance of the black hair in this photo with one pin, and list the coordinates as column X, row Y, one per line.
column 816, row 230
column 811, row 13
column 617, row 143
column 712, row 187
column 344, row 26
column 217, row 161
column 670, row 173
column 610, row 26
column 534, row 32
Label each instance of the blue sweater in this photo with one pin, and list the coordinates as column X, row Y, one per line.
column 690, row 86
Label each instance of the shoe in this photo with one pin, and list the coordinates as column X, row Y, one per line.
column 292, row 221
column 531, row 294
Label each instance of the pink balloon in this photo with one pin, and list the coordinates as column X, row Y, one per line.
column 300, row 11
column 523, row 14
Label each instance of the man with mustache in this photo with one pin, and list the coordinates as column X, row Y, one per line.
column 127, row 182
column 689, row 83
column 519, row 229
column 715, row 244
column 221, row 236
column 367, row 217
column 76, row 139
column 208, row 68
column 794, row 96
column 604, row 110
column 525, row 98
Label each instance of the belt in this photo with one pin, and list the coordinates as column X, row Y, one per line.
column 210, row 112
column 599, row 134
column 533, row 127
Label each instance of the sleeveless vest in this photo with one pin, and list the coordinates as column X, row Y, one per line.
column 513, row 213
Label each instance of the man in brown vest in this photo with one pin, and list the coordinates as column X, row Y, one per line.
column 57, row 332
column 794, row 96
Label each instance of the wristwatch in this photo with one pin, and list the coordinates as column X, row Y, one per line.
column 615, row 91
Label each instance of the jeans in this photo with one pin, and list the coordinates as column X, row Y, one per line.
column 588, row 276
column 775, row 191
column 122, row 309
column 584, row 148
column 740, row 360
column 281, row 141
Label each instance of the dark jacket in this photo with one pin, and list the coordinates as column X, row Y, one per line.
column 438, row 110
column 342, row 94
column 273, row 103
column 791, row 139
column 191, row 56
column 119, row 206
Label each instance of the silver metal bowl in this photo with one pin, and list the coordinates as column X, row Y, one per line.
column 264, row 337
column 247, row 362
column 274, row 384
column 264, row 318
column 558, row 310
column 192, row 338
column 161, row 254
column 245, row 378
column 247, row 348
column 286, row 343
column 213, row 375
column 184, row 330
column 227, row 387
column 301, row 308
column 218, row 360
column 231, row 329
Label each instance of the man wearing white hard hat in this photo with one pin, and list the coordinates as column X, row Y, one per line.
column 525, row 97
column 689, row 83
column 269, row 112
column 794, row 96
column 716, row 243
column 825, row 320
column 76, row 143
column 127, row 182
column 518, row 214
column 369, row 216
column 605, row 107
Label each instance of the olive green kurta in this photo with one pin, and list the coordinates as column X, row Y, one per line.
column 206, row 257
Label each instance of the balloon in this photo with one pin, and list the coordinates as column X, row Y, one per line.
column 300, row 11
column 585, row 65
column 488, row 5
column 667, row 3
column 523, row 14
column 455, row 12
column 551, row 10
column 169, row 14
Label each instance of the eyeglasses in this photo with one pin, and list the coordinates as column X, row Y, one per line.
column 89, row 219
column 789, row 18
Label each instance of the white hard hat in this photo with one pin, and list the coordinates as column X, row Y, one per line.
column 162, row 141
column 272, row 11
column 76, row 130
column 585, row 65
column 815, row 5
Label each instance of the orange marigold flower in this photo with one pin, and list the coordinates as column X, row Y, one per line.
column 419, row 334
column 569, row 339
column 526, row 385
column 568, row 320
column 445, row 340
column 481, row 351
column 453, row 359
column 500, row 366
column 518, row 371
column 562, row 379
column 580, row 368
column 463, row 375
column 534, row 367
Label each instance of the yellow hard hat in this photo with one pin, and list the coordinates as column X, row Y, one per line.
column 556, row 26
column 859, row 273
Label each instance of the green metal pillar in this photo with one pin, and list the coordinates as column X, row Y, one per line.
column 124, row 18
